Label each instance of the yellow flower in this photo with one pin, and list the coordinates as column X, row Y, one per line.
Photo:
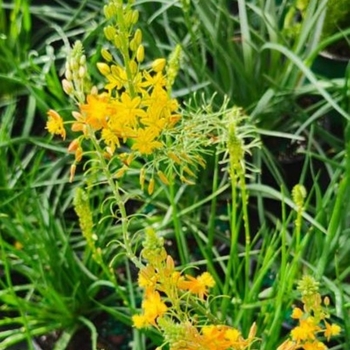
column 331, row 330
column 233, row 334
column 198, row 285
column 317, row 345
column 145, row 141
column 139, row 321
column 128, row 109
column 297, row 313
column 161, row 106
column 110, row 138
column 147, row 277
column 153, row 80
column 305, row 331
column 116, row 79
column 153, row 307
column 54, row 124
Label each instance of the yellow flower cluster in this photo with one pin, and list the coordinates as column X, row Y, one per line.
column 172, row 300
column 312, row 320
column 134, row 113
column 121, row 115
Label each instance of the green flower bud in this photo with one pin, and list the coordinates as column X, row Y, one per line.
column 82, row 60
column 158, row 65
column 299, row 195
column 117, row 41
column 140, row 54
column 134, row 17
column 103, row 68
column 138, row 37
column 106, row 55
column 133, row 67
column 109, row 32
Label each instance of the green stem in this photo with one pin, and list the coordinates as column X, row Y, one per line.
column 233, row 263
column 179, row 235
column 213, row 210
column 244, row 194
column 114, row 186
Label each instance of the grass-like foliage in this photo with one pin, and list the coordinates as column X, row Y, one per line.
column 194, row 192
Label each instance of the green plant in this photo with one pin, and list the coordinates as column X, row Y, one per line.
column 196, row 180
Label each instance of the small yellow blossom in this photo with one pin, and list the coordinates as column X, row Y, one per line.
column 148, row 278
column 316, row 345
column 331, row 330
column 297, row 313
column 145, row 141
column 153, row 307
column 139, row 321
column 306, row 330
column 110, row 138
column 55, row 124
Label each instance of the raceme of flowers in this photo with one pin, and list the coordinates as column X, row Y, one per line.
column 172, row 301
column 312, row 320
column 133, row 114
column 141, row 119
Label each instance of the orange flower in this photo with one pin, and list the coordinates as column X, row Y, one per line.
column 96, row 111
column 198, row 285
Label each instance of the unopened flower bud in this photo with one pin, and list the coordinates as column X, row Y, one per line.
column 82, row 60
column 158, row 64
column 82, row 72
column 106, row 55
column 133, row 67
column 73, row 64
column 151, row 186
column 142, row 177
column 103, row 68
column 140, row 53
column 68, row 74
column 132, row 45
column 72, row 172
column 163, row 177
column 73, row 146
column 109, row 32
column 67, row 86
column 110, row 10
column 78, row 154
column 138, row 37
column 299, row 195
column 128, row 18
column 134, row 17
column 173, row 66
column 117, row 41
